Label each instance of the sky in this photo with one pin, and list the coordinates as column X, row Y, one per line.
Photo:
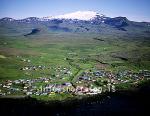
column 135, row 10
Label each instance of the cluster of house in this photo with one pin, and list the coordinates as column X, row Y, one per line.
column 21, row 85
column 39, row 67
column 78, row 90
column 30, row 86
column 50, row 89
column 61, row 71
column 130, row 74
column 93, row 75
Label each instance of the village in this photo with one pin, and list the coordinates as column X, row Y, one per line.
column 89, row 82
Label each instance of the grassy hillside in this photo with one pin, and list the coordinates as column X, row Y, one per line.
column 75, row 51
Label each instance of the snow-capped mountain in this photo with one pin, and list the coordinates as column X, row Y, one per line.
column 76, row 22
column 79, row 15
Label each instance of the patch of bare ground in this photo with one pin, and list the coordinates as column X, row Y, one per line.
column 14, row 52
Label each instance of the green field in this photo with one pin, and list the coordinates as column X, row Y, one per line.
column 78, row 52
column 64, row 57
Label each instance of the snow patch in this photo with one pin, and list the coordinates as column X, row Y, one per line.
column 79, row 15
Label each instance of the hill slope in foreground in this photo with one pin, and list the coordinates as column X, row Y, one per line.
column 132, row 103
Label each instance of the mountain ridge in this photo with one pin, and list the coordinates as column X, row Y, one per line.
column 96, row 23
column 78, row 15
